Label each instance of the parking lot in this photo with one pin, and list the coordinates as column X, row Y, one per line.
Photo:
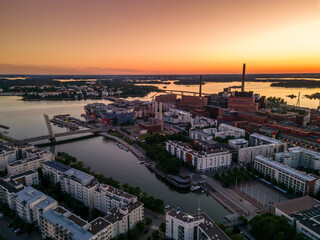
column 262, row 193
column 8, row 233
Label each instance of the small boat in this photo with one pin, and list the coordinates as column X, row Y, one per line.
column 142, row 162
column 147, row 164
column 167, row 207
column 194, row 188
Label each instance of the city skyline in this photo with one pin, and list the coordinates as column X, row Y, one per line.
column 163, row 37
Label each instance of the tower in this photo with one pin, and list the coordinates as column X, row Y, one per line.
column 243, row 76
column 200, row 87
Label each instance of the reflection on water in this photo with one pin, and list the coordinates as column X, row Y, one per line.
column 262, row 88
column 103, row 156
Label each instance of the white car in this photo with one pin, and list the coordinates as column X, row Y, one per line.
column 1, row 215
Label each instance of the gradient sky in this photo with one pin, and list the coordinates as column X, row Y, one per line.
column 159, row 36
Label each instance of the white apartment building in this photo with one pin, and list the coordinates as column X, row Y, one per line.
column 181, row 226
column 202, row 161
column 304, row 213
column 176, row 116
column 31, row 204
column 8, row 192
column 28, row 178
column 32, row 161
column 54, row 170
column 299, row 157
column 59, row 223
column 257, row 139
column 107, row 197
column 298, row 181
column 199, row 134
column 225, row 130
column 203, row 122
column 247, row 155
column 79, row 185
column 238, row 143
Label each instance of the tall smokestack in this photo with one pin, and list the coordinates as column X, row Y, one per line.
column 160, row 111
column 200, row 87
column 243, row 75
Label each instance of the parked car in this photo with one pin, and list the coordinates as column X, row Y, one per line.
column 17, row 230
column 1, row 215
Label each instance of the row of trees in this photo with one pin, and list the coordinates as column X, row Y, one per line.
column 155, row 204
column 271, row 227
column 155, row 150
column 236, row 175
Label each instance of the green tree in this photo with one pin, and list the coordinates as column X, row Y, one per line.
column 148, row 220
column 162, row 227
column 141, row 226
column 155, row 235
column 133, row 234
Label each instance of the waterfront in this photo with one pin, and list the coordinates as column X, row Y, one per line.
column 262, row 88
column 103, row 156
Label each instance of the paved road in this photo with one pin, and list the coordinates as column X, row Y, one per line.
column 8, row 234
column 157, row 219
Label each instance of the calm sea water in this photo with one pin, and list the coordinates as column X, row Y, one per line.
column 262, row 88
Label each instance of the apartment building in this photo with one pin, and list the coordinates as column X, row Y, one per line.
column 203, row 122
column 304, row 213
column 299, row 157
column 248, row 154
column 225, row 130
column 238, row 143
column 27, row 178
column 32, row 161
column 199, row 134
column 176, row 116
column 31, row 204
column 79, row 185
column 181, row 226
column 107, row 197
column 58, row 223
column 298, row 181
column 203, row 161
column 54, row 170
column 257, row 139
column 8, row 192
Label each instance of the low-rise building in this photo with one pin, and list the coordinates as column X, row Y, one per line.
column 290, row 177
column 304, row 213
column 28, row 178
column 248, row 154
column 225, row 130
column 212, row 160
column 199, row 134
column 256, row 139
column 299, row 157
column 31, row 204
column 238, row 143
column 181, row 226
column 176, row 116
column 32, row 161
column 203, row 122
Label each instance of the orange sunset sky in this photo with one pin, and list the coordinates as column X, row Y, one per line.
column 159, row 36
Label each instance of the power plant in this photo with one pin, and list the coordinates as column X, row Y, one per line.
column 243, row 76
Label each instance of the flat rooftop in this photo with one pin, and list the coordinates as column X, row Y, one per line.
column 265, row 138
column 58, row 166
column 297, row 205
column 284, row 168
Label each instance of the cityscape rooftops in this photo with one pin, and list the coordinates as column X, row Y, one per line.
column 297, row 204
column 11, row 186
column 98, row 225
column 211, row 229
column 58, row 219
column 285, row 168
column 31, row 195
column 79, row 176
column 58, row 166
column 266, row 138
column 301, row 149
